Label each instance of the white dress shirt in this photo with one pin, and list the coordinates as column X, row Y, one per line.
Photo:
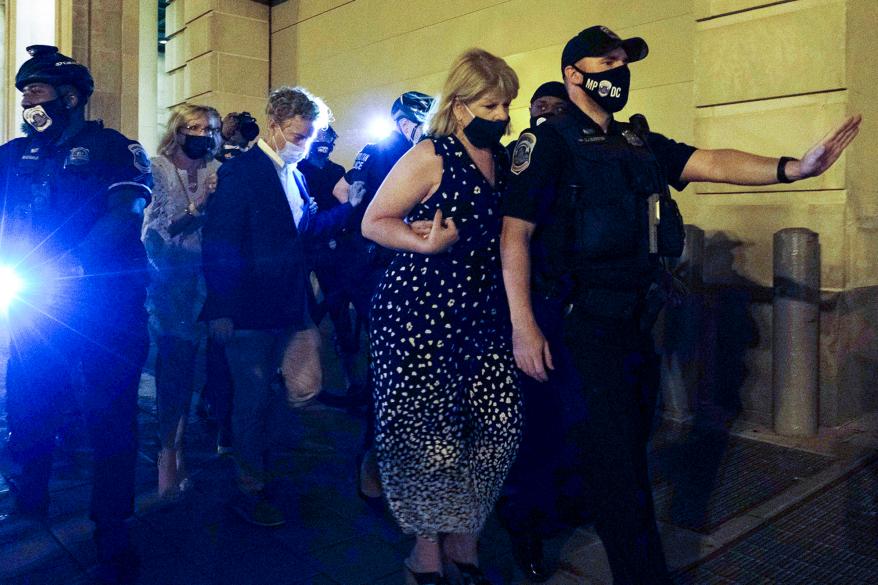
column 286, row 173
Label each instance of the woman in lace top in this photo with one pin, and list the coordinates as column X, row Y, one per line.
column 185, row 175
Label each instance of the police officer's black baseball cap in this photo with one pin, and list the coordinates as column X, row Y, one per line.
column 412, row 105
column 47, row 65
column 550, row 88
column 596, row 41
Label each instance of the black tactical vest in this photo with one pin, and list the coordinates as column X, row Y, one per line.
column 604, row 206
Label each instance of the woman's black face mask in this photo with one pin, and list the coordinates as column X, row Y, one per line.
column 484, row 133
column 197, row 147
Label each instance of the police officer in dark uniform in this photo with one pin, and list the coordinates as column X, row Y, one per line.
column 372, row 164
column 331, row 257
column 528, row 507
column 374, row 161
column 588, row 219
column 74, row 194
column 549, row 99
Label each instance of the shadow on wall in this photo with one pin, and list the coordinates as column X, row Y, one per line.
column 857, row 312
column 708, row 336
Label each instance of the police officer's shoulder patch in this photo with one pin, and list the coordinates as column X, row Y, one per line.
column 141, row 159
column 361, row 159
column 523, row 150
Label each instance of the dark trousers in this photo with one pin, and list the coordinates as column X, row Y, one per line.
column 174, row 376
column 609, row 426
column 375, row 275
column 218, row 388
column 529, row 503
column 341, row 289
column 48, row 365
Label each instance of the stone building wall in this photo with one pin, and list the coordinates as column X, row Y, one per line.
column 761, row 75
column 767, row 76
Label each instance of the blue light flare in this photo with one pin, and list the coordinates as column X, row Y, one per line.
column 11, row 285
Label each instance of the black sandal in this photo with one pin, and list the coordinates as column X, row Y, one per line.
column 412, row 578
column 469, row 574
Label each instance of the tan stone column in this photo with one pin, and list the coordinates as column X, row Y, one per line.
column 217, row 54
column 147, row 83
column 106, row 39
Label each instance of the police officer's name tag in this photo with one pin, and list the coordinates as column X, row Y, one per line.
column 523, row 150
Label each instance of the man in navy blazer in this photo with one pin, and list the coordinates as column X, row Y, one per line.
column 258, row 289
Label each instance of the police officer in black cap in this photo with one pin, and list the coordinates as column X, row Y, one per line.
column 549, row 99
column 74, row 194
column 588, row 220
column 528, row 507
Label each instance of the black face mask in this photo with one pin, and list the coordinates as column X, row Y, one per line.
column 609, row 89
column 197, row 147
column 537, row 120
column 484, row 133
column 46, row 120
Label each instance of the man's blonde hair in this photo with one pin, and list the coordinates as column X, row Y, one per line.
column 286, row 102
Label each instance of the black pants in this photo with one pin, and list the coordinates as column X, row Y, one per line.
column 529, row 503
column 608, row 430
column 218, row 389
column 341, row 287
column 98, row 367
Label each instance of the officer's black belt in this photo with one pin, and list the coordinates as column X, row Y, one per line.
column 609, row 303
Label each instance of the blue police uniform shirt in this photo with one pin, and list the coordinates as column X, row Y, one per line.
column 371, row 166
column 374, row 162
column 57, row 199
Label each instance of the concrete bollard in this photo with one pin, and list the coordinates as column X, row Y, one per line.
column 796, row 332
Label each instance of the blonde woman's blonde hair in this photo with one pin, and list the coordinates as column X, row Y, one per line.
column 182, row 116
column 474, row 74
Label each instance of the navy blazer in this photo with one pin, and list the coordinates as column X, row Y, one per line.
column 253, row 254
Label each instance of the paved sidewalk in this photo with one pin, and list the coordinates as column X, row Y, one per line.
column 715, row 492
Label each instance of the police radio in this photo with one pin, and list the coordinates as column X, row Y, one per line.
column 667, row 235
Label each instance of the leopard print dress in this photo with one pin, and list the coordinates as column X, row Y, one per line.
column 448, row 408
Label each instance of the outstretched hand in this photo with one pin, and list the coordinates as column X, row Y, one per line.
column 822, row 155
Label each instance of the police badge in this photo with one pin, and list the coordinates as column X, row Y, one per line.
column 78, row 156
